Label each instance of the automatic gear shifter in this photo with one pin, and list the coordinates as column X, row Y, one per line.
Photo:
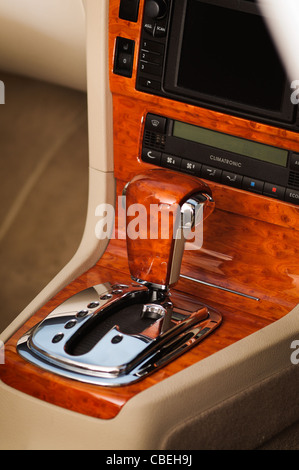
column 182, row 203
column 115, row 334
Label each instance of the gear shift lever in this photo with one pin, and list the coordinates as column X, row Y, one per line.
column 164, row 195
column 117, row 333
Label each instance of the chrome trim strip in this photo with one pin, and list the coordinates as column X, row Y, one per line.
column 209, row 284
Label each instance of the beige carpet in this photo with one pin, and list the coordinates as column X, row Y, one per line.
column 43, row 190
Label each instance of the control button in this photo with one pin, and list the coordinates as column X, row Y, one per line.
column 191, row 167
column 160, row 30
column 124, row 62
column 211, row 173
column 292, row 196
column 273, row 190
column 253, row 185
column 128, row 10
column 295, row 162
column 152, row 69
column 151, row 156
column 171, row 161
column 231, row 179
column 150, row 84
column 149, row 27
column 124, row 54
column 151, row 57
column 155, row 123
column 152, row 46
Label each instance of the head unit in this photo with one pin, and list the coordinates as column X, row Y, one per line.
column 216, row 54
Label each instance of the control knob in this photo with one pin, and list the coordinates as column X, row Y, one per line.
column 155, row 9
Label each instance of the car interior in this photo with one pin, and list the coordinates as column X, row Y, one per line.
column 149, row 156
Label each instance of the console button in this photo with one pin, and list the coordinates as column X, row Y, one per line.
column 191, row 167
column 149, row 83
column 295, row 162
column 211, row 173
column 272, row 190
column 292, row 196
column 124, row 54
column 152, row 46
column 231, row 179
column 253, row 185
column 151, row 57
column 151, row 156
column 149, row 27
column 128, row 10
column 152, row 69
column 155, row 123
column 160, row 30
column 155, row 8
column 171, row 161
column 125, row 62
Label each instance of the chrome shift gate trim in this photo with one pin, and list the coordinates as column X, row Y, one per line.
column 119, row 357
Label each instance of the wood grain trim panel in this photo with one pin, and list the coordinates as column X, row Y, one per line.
column 241, row 316
column 106, row 402
column 125, row 87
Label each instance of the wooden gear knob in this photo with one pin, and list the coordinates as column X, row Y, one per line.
column 154, row 247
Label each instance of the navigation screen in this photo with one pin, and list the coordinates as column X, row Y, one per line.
column 228, row 53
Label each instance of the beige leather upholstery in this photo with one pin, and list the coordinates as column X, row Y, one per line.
column 45, row 40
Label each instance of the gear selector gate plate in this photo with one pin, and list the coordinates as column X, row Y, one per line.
column 116, row 334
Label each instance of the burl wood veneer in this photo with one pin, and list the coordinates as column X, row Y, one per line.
column 250, row 245
column 162, row 193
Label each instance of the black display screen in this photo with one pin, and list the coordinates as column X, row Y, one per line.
column 228, row 53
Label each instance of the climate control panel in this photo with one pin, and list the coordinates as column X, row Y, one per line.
column 268, row 170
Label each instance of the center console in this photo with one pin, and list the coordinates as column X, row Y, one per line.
column 200, row 119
